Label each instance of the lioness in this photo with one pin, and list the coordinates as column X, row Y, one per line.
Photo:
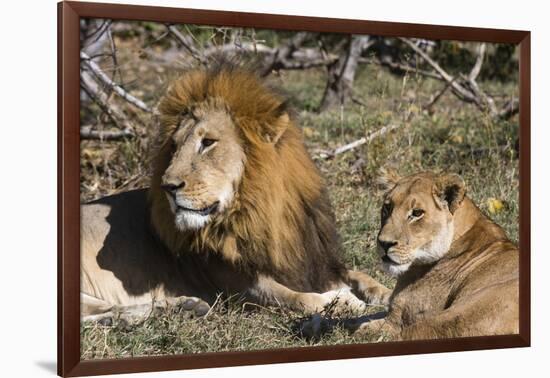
column 457, row 271
column 236, row 206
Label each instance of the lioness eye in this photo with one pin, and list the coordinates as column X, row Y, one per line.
column 417, row 213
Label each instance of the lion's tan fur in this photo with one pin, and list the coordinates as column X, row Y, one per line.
column 276, row 241
column 471, row 289
column 263, row 230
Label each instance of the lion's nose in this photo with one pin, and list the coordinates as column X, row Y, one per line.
column 386, row 245
column 171, row 187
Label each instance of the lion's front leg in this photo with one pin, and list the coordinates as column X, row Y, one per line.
column 268, row 291
column 97, row 310
column 370, row 290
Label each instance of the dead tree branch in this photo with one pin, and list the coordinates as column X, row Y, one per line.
column 474, row 73
column 102, row 76
column 111, row 110
column 187, row 43
column 359, row 142
column 86, row 132
column 341, row 73
column 289, row 56
column 466, row 87
column 400, row 67
column 281, row 55
column 458, row 89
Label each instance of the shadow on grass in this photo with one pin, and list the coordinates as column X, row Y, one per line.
column 315, row 326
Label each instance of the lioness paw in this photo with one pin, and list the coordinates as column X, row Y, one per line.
column 378, row 295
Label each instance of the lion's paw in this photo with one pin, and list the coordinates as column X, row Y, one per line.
column 343, row 300
column 191, row 305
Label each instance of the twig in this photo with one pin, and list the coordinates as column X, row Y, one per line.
column 97, row 33
column 98, row 72
column 436, row 98
column 113, row 54
column 358, row 142
column 187, row 43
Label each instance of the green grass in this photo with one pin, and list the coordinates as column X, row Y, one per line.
column 228, row 327
column 454, row 137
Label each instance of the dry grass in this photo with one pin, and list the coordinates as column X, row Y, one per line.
column 456, row 137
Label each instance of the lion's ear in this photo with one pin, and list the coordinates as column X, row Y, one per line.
column 450, row 189
column 274, row 132
column 387, row 179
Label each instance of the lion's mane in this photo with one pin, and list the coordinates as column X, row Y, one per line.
column 280, row 222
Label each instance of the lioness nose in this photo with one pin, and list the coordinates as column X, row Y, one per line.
column 171, row 188
column 386, row 244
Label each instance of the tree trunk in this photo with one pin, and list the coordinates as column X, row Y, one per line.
column 342, row 73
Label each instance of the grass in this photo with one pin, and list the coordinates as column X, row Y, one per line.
column 453, row 137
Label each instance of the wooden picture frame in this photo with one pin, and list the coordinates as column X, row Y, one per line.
column 69, row 361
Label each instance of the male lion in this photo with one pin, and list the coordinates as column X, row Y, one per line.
column 457, row 270
column 236, row 206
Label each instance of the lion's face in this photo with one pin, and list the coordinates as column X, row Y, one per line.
column 205, row 167
column 417, row 219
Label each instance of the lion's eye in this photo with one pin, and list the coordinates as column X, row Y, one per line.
column 206, row 142
column 417, row 213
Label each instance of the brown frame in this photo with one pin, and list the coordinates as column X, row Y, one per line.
column 69, row 363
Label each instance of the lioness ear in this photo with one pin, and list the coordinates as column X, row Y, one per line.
column 274, row 132
column 451, row 189
column 387, row 179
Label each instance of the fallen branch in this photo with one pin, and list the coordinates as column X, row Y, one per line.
column 86, row 132
column 357, row 143
column 279, row 56
column 102, row 100
column 466, row 89
column 458, row 89
column 116, row 115
column 287, row 57
column 400, row 67
column 102, row 76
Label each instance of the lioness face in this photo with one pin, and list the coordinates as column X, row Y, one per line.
column 205, row 169
column 417, row 220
